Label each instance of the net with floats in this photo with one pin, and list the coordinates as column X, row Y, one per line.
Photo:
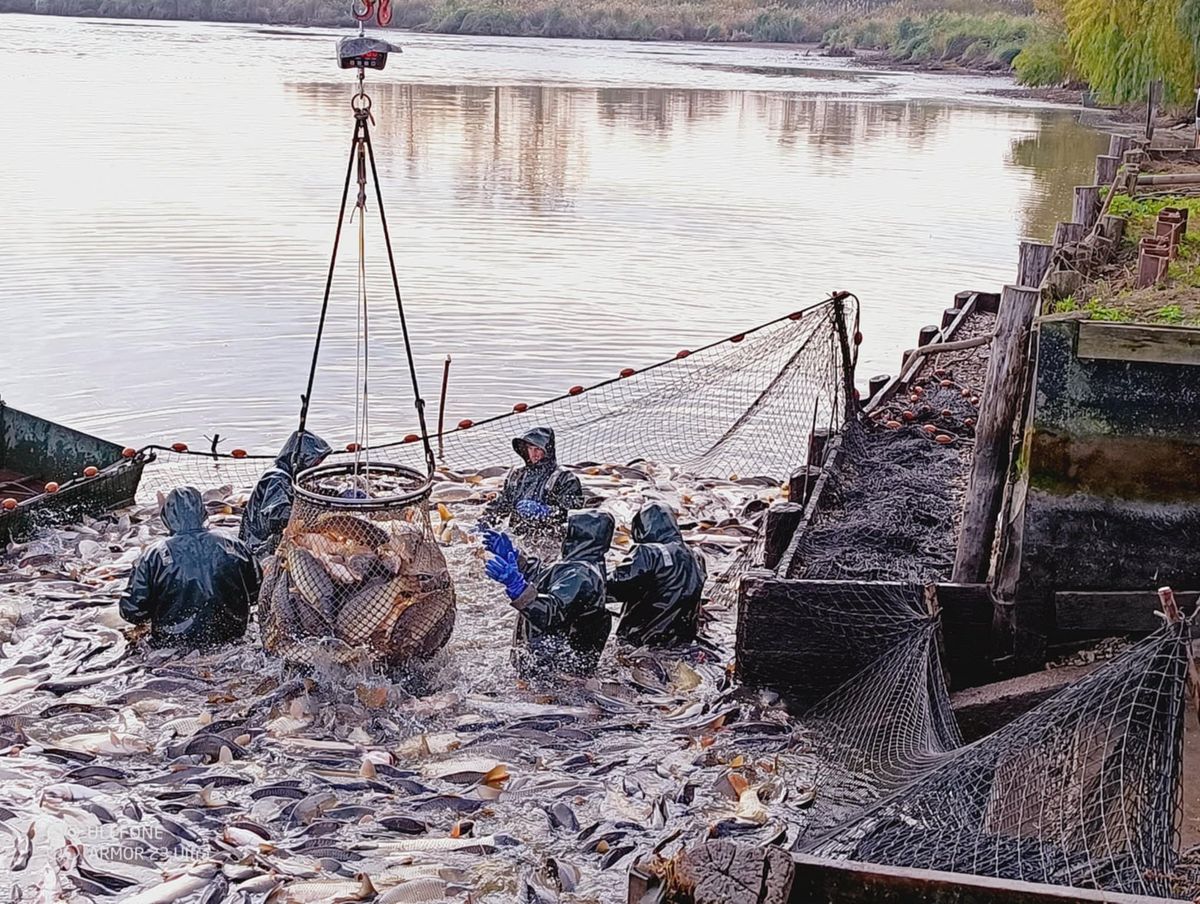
column 358, row 578
column 744, row 405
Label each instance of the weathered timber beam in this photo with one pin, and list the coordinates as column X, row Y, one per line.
column 993, row 432
column 847, row 882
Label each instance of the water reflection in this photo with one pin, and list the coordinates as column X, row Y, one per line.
column 1059, row 156
column 560, row 210
column 532, row 144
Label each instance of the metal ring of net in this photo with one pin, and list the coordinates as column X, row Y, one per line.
column 358, row 578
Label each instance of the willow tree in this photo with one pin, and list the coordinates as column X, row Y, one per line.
column 1120, row 46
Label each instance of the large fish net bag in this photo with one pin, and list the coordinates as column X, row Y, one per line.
column 1082, row 791
column 358, row 578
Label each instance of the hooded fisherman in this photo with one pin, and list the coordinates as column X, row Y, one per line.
column 537, row 495
column 196, row 586
column 659, row 583
column 562, row 623
column 270, row 505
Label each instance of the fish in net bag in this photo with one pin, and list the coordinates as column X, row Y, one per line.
column 358, row 577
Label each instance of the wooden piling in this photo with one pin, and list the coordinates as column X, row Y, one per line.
column 928, row 334
column 1113, row 228
column 1087, row 205
column 1033, row 262
column 817, row 441
column 961, row 299
column 875, row 385
column 1118, row 145
column 801, row 483
column 949, row 316
column 782, row 519
column 998, row 408
column 1067, row 233
column 1106, row 168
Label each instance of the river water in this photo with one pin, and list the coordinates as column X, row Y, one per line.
column 560, row 209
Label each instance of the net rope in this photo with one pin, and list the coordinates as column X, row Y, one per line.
column 740, row 406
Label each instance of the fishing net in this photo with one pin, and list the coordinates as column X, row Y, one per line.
column 744, row 405
column 893, row 498
column 1081, row 791
column 358, row 578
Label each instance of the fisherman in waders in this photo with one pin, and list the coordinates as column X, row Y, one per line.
column 536, row 496
column 270, row 505
column 195, row 588
column 562, row 622
column 659, row 583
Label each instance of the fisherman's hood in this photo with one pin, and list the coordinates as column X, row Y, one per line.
column 183, row 511
column 306, row 448
column 588, row 537
column 543, row 438
column 655, row 523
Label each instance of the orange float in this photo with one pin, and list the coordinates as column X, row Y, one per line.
column 128, row 452
column 9, row 504
column 466, row 424
column 238, row 453
column 519, row 407
column 180, row 447
column 91, row 471
column 575, row 390
column 52, row 487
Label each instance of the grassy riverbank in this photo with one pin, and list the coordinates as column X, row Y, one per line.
column 978, row 33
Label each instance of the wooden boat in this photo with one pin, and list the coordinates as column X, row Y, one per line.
column 36, row 454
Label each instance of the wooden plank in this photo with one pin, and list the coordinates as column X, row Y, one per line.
column 1135, row 342
column 848, row 882
column 981, row 710
column 993, row 433
column 782, row 519
column 1113, row 612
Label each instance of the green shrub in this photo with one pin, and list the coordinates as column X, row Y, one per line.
column 1045, row 60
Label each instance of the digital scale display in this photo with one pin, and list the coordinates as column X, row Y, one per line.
column 364, row 53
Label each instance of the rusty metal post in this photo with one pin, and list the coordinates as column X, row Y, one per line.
column 442, row 410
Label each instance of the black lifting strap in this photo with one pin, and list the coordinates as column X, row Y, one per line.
column 362, row 138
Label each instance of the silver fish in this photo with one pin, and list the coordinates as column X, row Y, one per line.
column 310, row 578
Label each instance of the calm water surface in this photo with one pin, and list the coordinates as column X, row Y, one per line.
column 560, row 209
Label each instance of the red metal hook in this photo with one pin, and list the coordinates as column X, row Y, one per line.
column 384, row 17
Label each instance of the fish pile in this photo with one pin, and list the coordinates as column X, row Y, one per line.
column 144, row 775
column 345, row 586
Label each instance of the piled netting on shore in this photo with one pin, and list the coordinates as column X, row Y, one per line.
column 744, row 405
column 358, row 577
column 890, row 507
column 1080, row 791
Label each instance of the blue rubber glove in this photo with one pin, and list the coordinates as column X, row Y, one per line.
column 499, row 569
column 506, row 572
column 529, row 508
column 500, row 544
